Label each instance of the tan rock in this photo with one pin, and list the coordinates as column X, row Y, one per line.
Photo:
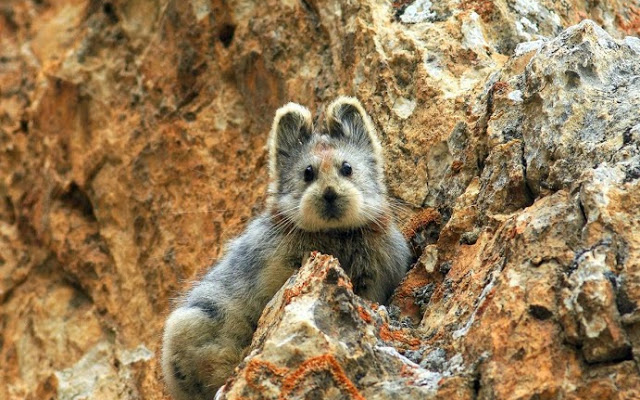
column 317, row 339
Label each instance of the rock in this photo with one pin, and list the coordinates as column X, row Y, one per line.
column 132, row 138
column 96, row 372
column 316, row 339
column 553, row 264
column 570, row 108
column 591, row 299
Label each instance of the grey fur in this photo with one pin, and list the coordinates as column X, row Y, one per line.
column 206, row 336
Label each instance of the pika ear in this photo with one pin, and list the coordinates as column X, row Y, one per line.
column 346, row 118
column 292, row 128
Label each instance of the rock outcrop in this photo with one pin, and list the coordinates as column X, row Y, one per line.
column 132, row 140
column 318, row 340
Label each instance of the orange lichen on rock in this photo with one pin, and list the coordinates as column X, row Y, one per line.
column 456, row 166
column 258, row 371
column 420, row 220
column 398, row 335
column 405, row 371
column 500, row 87
column 630, row 25
column 366, row 317
column 318, row 270
column 345, row 283
column 254, row 374
column 295, row 291
column 404, row 296
column 323, row 363
column 484, row 8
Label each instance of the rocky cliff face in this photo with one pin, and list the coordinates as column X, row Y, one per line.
column 132, row 147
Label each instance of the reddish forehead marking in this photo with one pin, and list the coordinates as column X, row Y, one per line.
column 325, row 152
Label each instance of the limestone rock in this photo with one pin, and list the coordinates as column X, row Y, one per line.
column 316, row 339
column 571, row 106
column 546, row 285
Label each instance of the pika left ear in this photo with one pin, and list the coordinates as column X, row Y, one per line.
column 346, row 118
column 292, row 127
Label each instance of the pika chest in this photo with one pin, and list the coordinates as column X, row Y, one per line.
column 353, row 249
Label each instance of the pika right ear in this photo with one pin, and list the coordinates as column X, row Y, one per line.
column 346, row 119
column 292, row 128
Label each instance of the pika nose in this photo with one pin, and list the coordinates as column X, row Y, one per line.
column 330, row 195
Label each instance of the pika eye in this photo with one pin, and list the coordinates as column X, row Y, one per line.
column 346, row 169
column 309, row 174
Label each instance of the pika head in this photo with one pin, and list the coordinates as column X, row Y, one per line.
column 330, row 177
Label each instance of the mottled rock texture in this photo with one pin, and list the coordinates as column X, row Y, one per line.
column 318, row 340
column 132, row 138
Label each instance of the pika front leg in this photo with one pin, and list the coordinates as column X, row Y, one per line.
column 376, row 281
column 374, row 289
column 383, row 273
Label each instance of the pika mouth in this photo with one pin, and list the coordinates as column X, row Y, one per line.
column 331, row 212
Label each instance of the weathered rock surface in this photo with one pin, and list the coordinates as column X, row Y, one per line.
column 549, row 258
column 318, row 340
column 132, row 140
